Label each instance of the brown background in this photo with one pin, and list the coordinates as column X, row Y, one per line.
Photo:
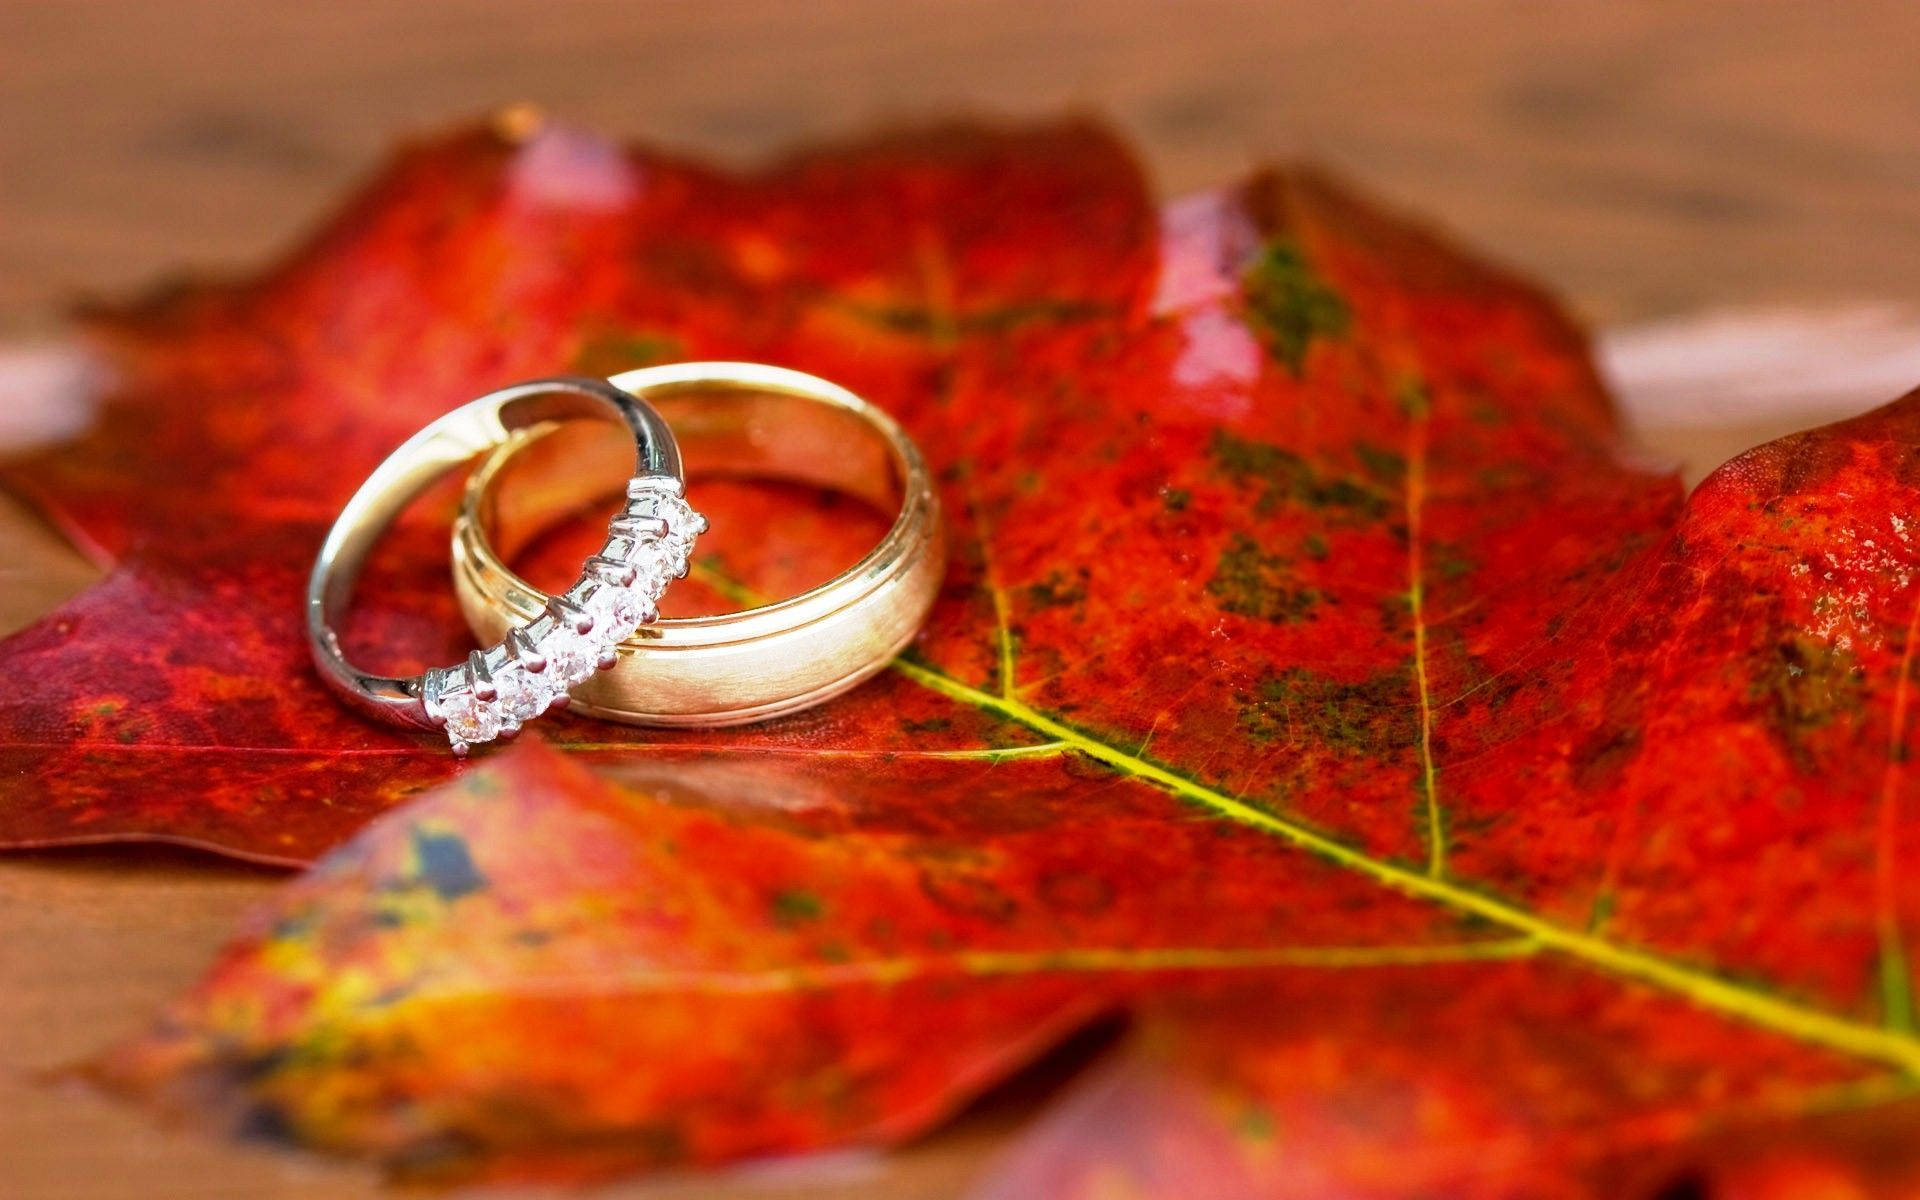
column 1647, row 159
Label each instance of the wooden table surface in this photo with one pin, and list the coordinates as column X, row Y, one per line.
column 1647, row 159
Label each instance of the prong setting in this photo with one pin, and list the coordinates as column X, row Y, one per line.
column 616, row 571
column 528, row 673
column 569, row 613
column 640, row 528
column 479, row 678
column 648, row 485
column 521, row 647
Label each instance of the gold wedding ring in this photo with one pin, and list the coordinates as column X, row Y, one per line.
column 730, row 419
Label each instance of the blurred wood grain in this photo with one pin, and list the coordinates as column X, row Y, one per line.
column 1644, row 158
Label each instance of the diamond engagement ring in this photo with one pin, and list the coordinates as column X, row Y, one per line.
column 535, row 662
column 741, row 421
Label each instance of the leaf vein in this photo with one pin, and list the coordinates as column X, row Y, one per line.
column 1694, row 984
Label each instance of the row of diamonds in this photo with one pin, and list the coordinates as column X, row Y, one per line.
column 510, row 683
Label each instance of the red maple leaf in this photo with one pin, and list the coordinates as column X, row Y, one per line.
column 1455, row 806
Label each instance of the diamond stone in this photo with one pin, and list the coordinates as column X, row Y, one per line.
column 616, row 611
column 682, row 522
column 654, row 567
column 523, row 696
column 570, row 657
column 469, row 718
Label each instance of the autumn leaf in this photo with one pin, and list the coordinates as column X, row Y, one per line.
column 539, row 974
column 1455, row 806
column 175, row 700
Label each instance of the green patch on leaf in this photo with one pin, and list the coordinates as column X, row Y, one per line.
column 1358, row 717
column 1414, row 398
column 1250, row 583
column 1289, row 305
column 942, row 326
column 611, row 353
column 1450, row 563
column 1602, row 912
column 1806, row 685
column 1058, row 589
column 795, row 906
column 1285, row 478
column 1382, row 466
column 1396, row 614
column 1257, row 1124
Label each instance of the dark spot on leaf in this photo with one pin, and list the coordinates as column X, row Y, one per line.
column 1396, row 615
column 1345, row 493
column 1599, row 761
column 942, row 325
column 1289, row 305
column 1805, row 684
column 610, row 353
column 1603, row 905
column 1285, row 478
column 1450, row 564
column 1012, row 316
column 1687, row 1185
column 1058, row 590
column 1176, row 499
column 795, row 906
column 294, row 925
column 1243, row 458
column 1381, row 466
column 1078, row 764
column 1903, row 462
column 445, row 864
column 1249, row 583
column 1414, row 398
column 928, row 725
column 1370, row 714
column 252, row 1068
column 264, row 1123
column 968, row 895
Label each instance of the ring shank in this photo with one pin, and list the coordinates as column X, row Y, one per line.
column 735, row 667
column 556, row 471
column 423, row 459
